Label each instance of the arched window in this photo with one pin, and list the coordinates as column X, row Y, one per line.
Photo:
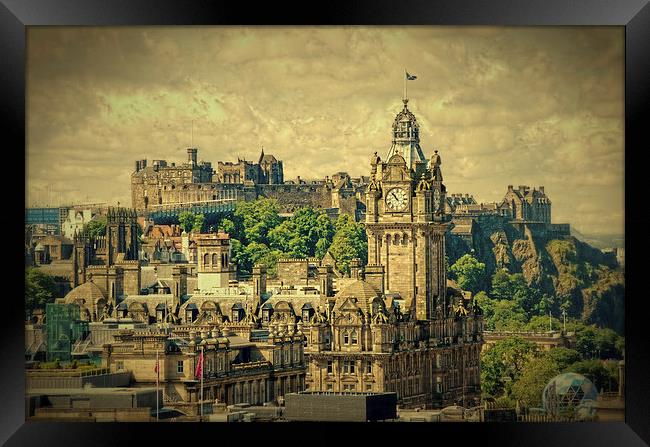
column 214, row 259
column 354, row 337
column 396, row 239
column 206, row 259
column 346, row 338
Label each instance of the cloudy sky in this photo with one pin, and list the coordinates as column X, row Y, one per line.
column 529, row 106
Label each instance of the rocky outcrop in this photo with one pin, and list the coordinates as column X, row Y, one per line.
column 573, row 272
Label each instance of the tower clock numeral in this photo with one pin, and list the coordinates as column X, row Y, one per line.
column 396, row 199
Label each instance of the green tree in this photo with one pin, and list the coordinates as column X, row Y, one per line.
column 96, row 227
column 257, row 253
column 199, row 221
column 507, row 316
column 302, row 234
column 349, row 242
column 485, row 303
column 506, row 286
column 228, row 226
column 540, row 323
column 608, row 344
column 533, row 378
column 564, row 357
column 503, row 363
column 501, row 285
column 469, row 273
column 603, row 374
column 40, row 289
column 257, row 219
column 186, row 220
column 594, row 342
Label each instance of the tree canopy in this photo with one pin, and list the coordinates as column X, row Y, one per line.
column 349, row 242
column 191, row 222
column 503, row 363
column 96, row 227
column 469, row 273
column 40, row 289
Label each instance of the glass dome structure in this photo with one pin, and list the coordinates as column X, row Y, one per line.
column 565, row 393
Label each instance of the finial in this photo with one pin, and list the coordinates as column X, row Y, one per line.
column 405, row 101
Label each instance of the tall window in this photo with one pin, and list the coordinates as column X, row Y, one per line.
column 214, row 259
column 369, row 367
column 330, row 367
column 346, row 338
column 354, row 337
column 206, row 259
column 179, row 367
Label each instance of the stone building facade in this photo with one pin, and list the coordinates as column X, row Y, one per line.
column 239, row 365
column 163, row 185
column 267, row 171
column 404, row 328
column 528, row 204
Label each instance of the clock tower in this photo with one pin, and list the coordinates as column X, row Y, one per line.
column 406, row 221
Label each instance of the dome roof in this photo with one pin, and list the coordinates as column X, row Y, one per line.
column 362, row 291
column 88, row 291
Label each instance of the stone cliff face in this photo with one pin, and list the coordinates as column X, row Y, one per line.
column 589, row 281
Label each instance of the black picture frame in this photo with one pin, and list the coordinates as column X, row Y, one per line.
column 634, row 15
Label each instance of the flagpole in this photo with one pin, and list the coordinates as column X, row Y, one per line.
column 157, row 385
column 202, row 360
column 405, row 84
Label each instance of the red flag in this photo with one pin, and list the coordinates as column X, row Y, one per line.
column 199, row 366
column 155, row 368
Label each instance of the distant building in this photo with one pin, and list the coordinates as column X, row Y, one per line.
column 528, row 204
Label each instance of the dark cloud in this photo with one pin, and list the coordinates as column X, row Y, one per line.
column 538, row 106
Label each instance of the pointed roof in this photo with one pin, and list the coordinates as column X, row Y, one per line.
column 362, row 291
column 406, row 137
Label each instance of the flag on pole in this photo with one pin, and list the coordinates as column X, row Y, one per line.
column 156, row 368
column 199, row 366
column 410, row 77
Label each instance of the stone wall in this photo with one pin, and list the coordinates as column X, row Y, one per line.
column 292, row 270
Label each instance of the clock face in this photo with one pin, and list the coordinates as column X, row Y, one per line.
column 396, row 199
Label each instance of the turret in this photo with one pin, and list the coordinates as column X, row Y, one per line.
column 192, row 153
